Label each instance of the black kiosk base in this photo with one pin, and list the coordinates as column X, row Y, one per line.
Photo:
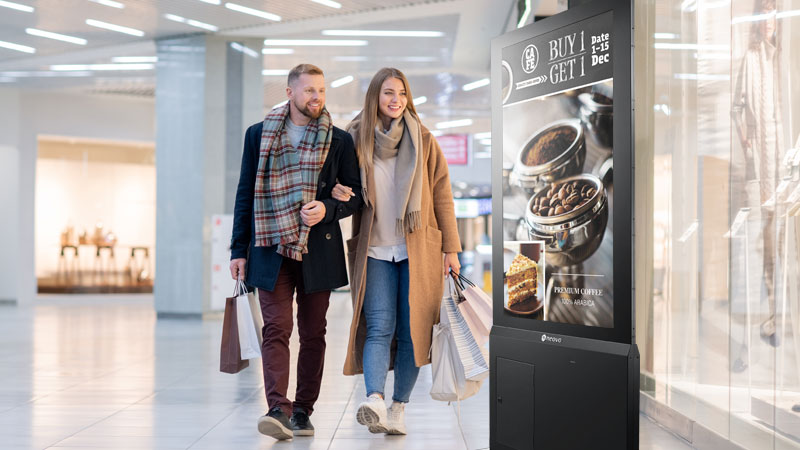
column 552, row 392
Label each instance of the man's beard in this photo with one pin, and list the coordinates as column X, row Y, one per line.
column 306, row 112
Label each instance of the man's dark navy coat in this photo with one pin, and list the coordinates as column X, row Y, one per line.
column 324, row 264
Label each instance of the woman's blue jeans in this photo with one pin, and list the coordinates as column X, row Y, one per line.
column 386, row 311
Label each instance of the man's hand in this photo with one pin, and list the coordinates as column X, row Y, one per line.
column 237, row 268
column 312, row 213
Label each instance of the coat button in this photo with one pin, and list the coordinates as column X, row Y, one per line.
column 328, row 236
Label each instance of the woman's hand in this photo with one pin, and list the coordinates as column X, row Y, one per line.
column 342, row 193
column 451, row 263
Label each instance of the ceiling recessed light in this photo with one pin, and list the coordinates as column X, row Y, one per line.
column 277, row 51
column 110, row 3
column 253, row 12
column 17, row 6
column 342, row 81
column 420, row 100
column 102, row 67
column 330, row 3
column 454, row 124
column 476, row 84
column 315, row 42
column 134, row 59
column 275, row 72
column 194, row 23
column 483, row 135
column 382, row 33
column 112, row 27
column 17, row 47
column 56, row 36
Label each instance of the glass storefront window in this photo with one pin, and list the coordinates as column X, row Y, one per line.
column 722, row 341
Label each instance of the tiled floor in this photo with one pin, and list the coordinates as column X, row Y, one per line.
column 102, row 372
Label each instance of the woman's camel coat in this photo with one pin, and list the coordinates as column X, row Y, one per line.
column 437, row 235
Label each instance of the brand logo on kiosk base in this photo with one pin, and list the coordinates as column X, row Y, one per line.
column 555, row 340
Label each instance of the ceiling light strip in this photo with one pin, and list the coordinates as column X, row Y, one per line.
column 17, row 47
column 56, row 36
column 383, row 33
column 342, row 81
column 253, row 12
column 476, row 84
column 110, row 3
column 277, row 51
column 330, row 3
column 420, row 100
column 244, row 49
column 99, row 67
column 17, row 6
column 454, row 124
column 315, row 42
column 191, row 22
column 134, row 59
column 351, row 58
column 275, row 72
column 112, row 27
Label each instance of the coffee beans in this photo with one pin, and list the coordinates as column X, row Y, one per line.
column 561, row 198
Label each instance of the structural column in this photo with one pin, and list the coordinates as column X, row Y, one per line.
column 208, row 90
column 12, row 266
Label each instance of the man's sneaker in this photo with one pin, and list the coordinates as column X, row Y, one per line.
column 275, row 424
column 396, row 418
column 301, row 424
column 372, row 414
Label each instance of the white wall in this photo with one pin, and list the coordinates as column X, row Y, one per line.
column 80, row 115
column 70, row 192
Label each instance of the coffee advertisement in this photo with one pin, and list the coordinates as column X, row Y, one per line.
column 557, row 114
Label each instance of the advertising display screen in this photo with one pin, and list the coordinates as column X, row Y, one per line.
column 564, row 124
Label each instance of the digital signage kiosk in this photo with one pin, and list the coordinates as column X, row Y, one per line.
column 565, row 367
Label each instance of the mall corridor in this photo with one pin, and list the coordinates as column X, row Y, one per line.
column 102, row 372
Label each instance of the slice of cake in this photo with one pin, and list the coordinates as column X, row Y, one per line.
column 522, row 279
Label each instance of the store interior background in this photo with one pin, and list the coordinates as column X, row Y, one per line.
column 152, row 154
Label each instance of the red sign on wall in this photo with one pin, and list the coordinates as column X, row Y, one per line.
column 455, row 148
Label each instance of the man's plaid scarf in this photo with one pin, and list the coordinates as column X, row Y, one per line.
column 289, row 183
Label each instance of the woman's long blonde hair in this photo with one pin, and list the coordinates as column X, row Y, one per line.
column 365, row 144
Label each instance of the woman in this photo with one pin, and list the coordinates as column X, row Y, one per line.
column 397, row 267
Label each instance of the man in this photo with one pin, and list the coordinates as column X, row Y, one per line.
column 286, row 238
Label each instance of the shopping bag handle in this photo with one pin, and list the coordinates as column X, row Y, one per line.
column 458, row 287
column 240, row 288
column 461, row 279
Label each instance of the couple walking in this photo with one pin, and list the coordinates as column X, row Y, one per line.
column 299, row 176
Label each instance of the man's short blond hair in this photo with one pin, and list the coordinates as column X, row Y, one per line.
column 300, row 69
